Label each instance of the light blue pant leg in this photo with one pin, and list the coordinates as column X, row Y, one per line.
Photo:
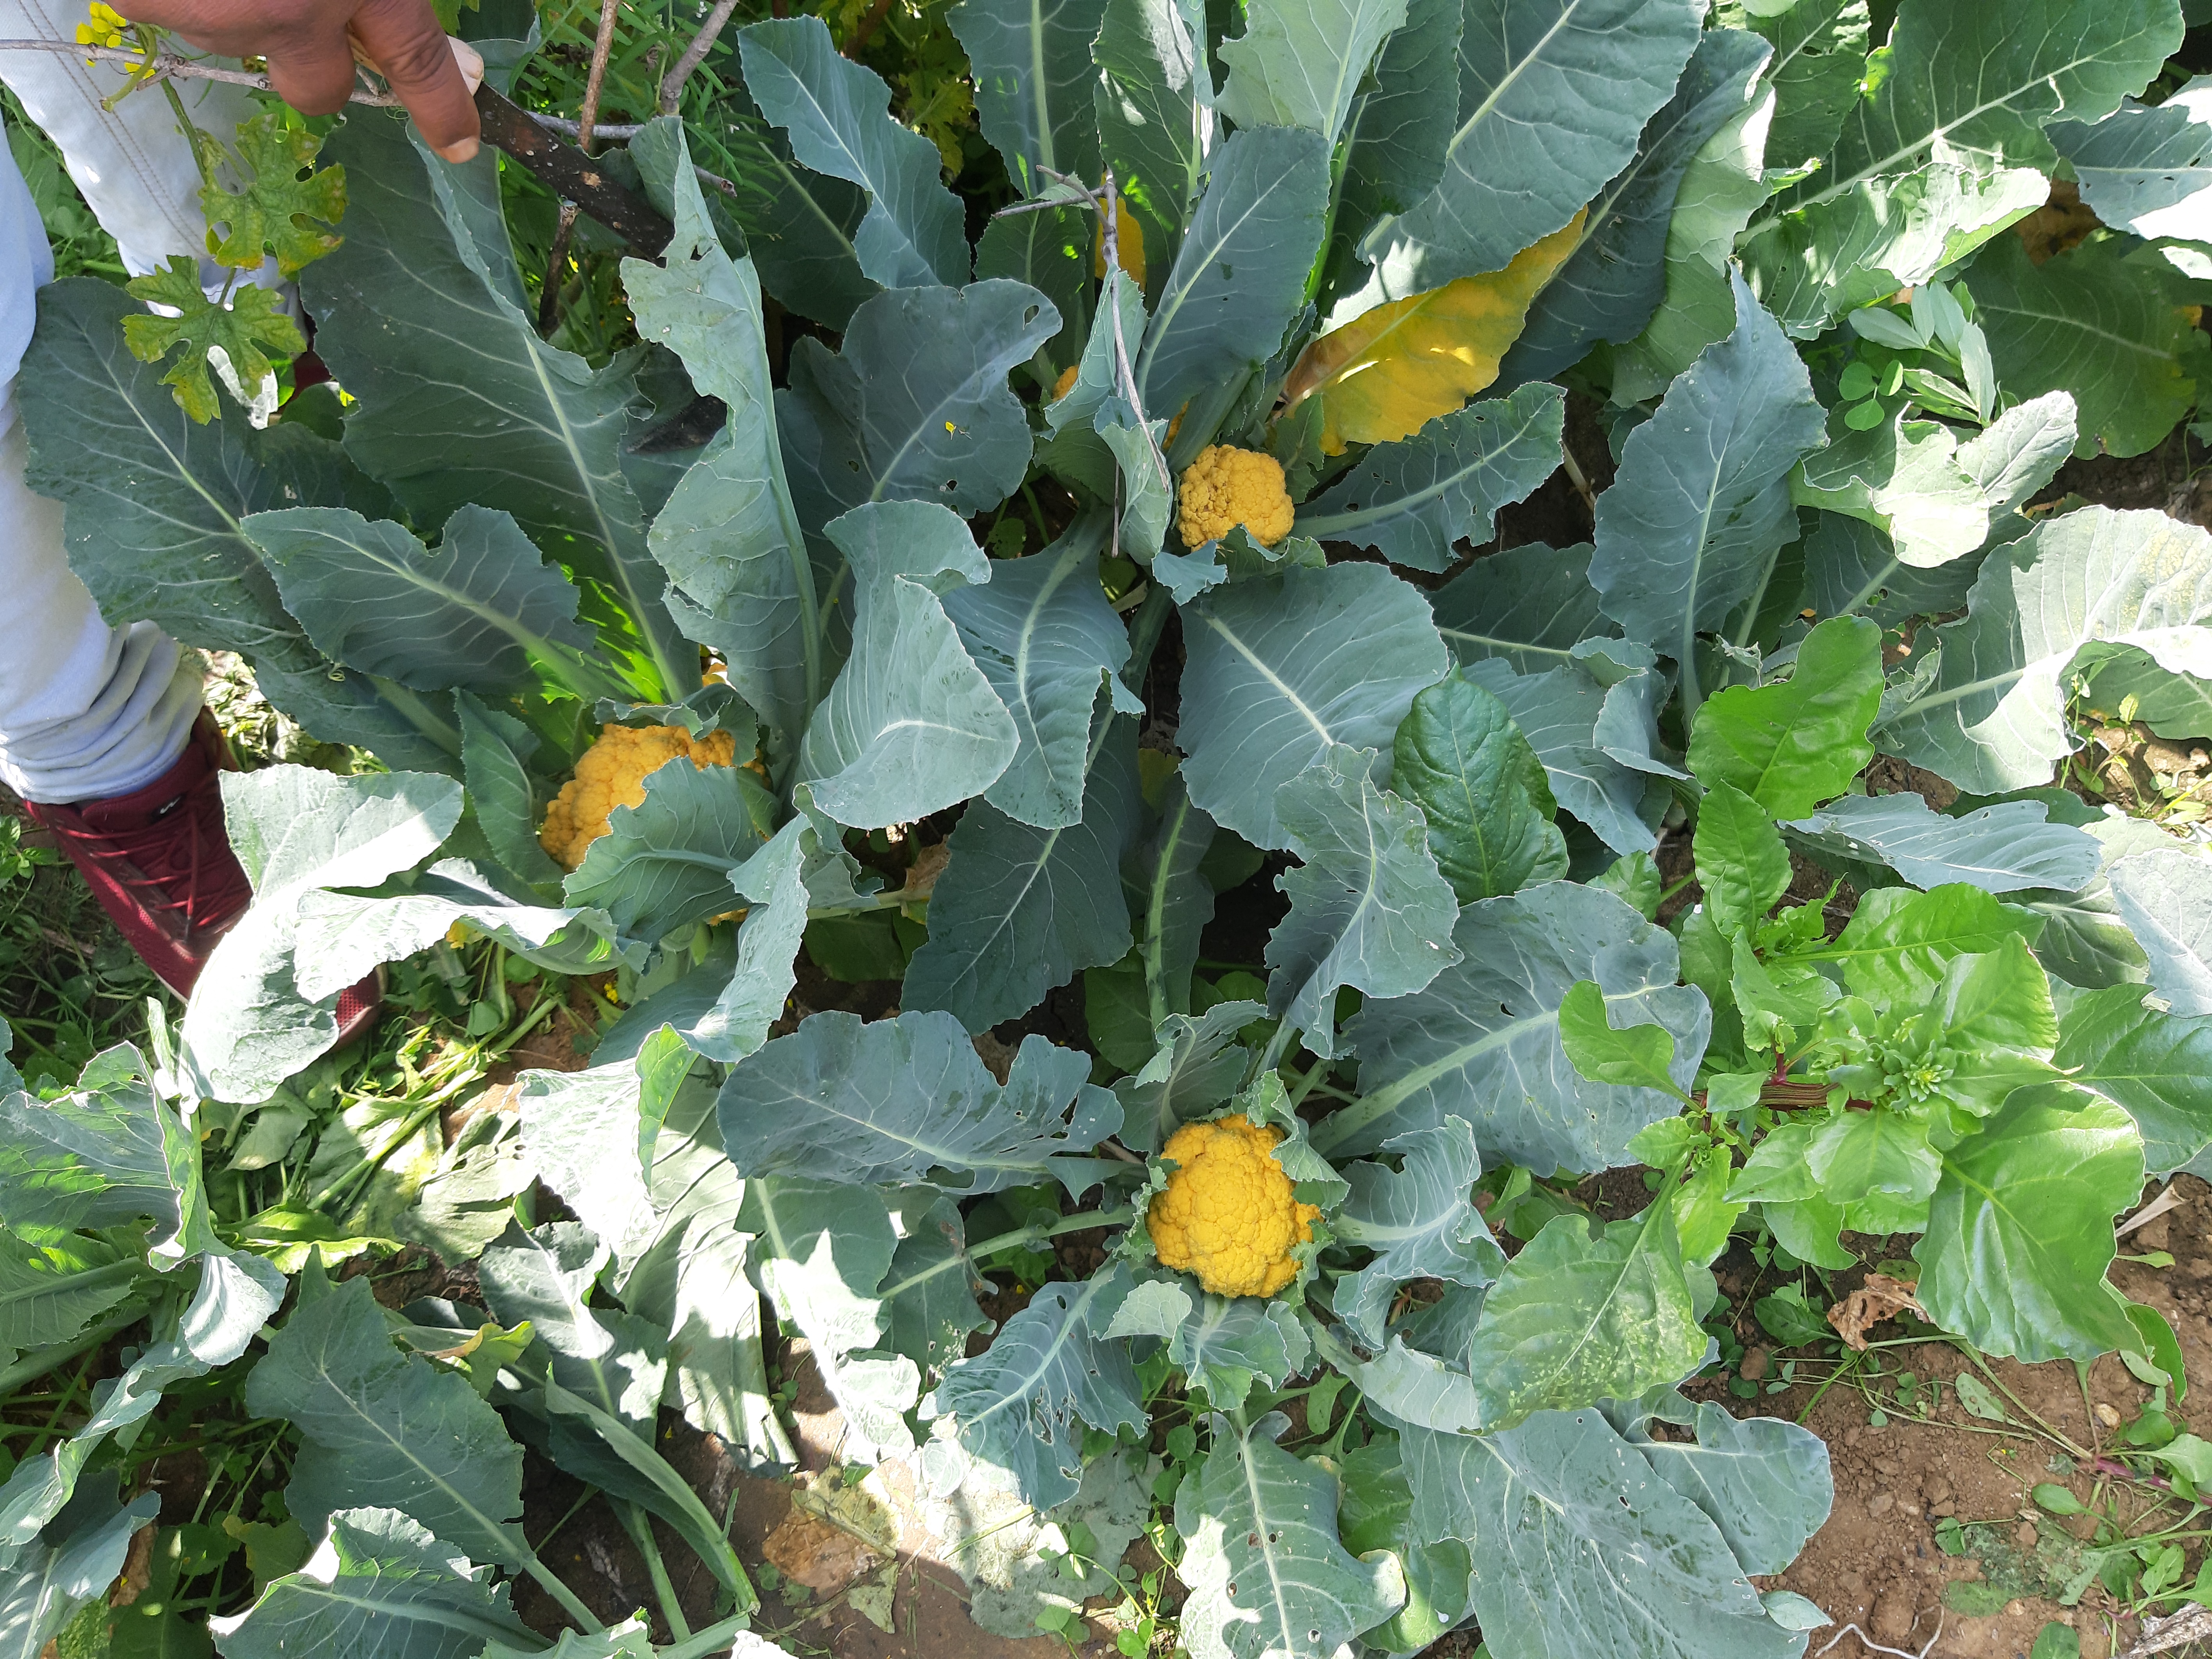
column 87, row 711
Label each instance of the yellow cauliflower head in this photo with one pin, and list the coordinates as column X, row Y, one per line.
column 612, row 774
column 1225, row 488
column 1229, row 1214
column 1065, row 384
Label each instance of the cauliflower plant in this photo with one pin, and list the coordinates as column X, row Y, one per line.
column 612, row 774
column 1225, row 488
column 1227, row 1214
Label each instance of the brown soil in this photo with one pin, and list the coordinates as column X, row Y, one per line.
column 1877, row 1562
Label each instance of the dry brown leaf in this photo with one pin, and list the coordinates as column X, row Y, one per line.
column 809, row 1550
column 138, row 1569
column 1881, row 1298
column 922, row 875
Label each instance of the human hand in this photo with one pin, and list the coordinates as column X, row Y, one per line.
column 310, row 46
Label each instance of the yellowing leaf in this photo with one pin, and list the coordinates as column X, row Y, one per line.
column 1128, row 245
column 1389, row 371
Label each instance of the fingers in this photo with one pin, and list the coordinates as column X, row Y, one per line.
column 427, row 71
column 311, row 70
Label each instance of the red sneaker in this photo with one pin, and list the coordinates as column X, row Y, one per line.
column 160, row 862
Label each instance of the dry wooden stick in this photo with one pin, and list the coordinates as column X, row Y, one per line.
column 168, row 66
column 671, row 87
column 549, row 296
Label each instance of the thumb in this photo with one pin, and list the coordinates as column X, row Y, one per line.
column 434, row 77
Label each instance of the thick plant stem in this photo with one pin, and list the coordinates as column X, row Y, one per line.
column 570, row 1602
column 639, row 1524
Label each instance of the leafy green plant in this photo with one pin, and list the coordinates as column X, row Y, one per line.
column 1270, row 684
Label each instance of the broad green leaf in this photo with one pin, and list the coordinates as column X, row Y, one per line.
column 1630, row 1057
column 1198, row 1066
column 1228, row 1342
column 1898, row 943
column 507, row 797
column 152, row 506
column 1280, row 669
column 1615, row 277
column 915, row 404
column 2000, row 850
column 1170, row 899
column 248, row 1025
column 1741, row 865
column 377, row 1580
column 837, row 115
column 235, row 1296
column 1701, row 505
column 101, row 1157
column 1266, row 1571
column 1460, row 758
column 1148, row 501
column 1765, row 1483
column 1050, row 251
column 668, row 861
column 1378, row 1514
column 341, row 937
column 912, row 725
column 1820, row 57
column 1019, row 910
column 2116, row 335
column 1239, row 275
column 1528, row 606
column 2084, row 939
column 1076, row 453
column 1023, row 1405
column 1942, row 147
column 1608, row 1560
column 2154, row 1065
column 1587, row 1315
column 1394, row 136
column 44, row 1299
column 383, row 1429
column 543, row 1279
column 1300, row 63
column 2146, row 170
column 715, row 1357
column 729, row 537
column 1415, row 502
column 1991, row 718
column 1044, row 636
column 1368, row 908
column 1482, row 1042
column 774, row 881
column 46, row 1584
column 1856, row 1155
column 1387, row 368
column 2021, row 1230
column 1153, row 101
column 481, row 609
column 892, row 1100
column 1904, row 477
column 2166, row 898
column 513, row 424
column 1031, row 64
column 1553, row 96
column 819, row 1253
column 2021, row 451
column 1852, row 567
column 931, row 1286
column 1722, row 185
column 1419, row 1221
column 1881, row 234
column 1562, row 713
column 795, row 224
